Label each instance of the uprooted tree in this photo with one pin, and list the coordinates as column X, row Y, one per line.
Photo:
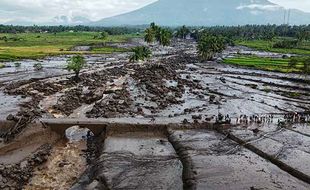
column 76, row 64
column 140, row 53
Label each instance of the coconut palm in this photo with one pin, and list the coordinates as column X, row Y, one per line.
column 149, row 35
column 140, row 53
column 182, row 32
column 209, row 45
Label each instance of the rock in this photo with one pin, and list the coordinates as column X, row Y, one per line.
column 95, row 185
column 11, row 118
column 223, row 80
column 197, row 117
column 24, row 164
column 185, row 121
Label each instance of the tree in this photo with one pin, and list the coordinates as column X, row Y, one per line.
column 302, row 36
column 149, row 35
column 183, row 32
column 154, row 32
column 165, row 37
column 76, row 64
column 209, row 45
column 140, row 53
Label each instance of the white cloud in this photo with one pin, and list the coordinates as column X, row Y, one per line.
column 303, row 5
column 259, row 7
column 45, row 10
column 40, row 11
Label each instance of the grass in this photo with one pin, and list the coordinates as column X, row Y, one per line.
column 269, row 64
column 38, row 45
column 264, row 45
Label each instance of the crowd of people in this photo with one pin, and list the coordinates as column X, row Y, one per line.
column 294, row 117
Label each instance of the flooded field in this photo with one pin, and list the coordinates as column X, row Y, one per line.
column 264, row 144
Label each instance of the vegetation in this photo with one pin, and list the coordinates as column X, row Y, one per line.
column 76, row 64
column 257, row 32
column 59, row 29
column 265, row 45
column 269, row 64
column 294, row 62
column 161, row 35
column 164, row 37
column 38, row 66
column 140, row 53
column 285, row 44
column 303, row 36
column 209, row 45
column 183, row 32
column 30, row 46
column 102, row 36
column 2, row 65
column 149, row 35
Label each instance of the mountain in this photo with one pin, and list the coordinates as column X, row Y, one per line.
column 207, row 13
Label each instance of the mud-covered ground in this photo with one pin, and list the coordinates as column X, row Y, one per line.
column 172, row 87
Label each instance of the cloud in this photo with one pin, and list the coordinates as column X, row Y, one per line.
column 40, row 11
column 303, row 5
column 259, row 7
column 45, row 11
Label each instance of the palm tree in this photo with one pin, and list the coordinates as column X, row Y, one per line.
column 149, row 35
column 140, row 53
column 165, row 37
column 209, row 45
column 183, row 32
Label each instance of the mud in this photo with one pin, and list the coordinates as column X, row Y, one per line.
column 61, row 169
column 214, row 162
column 136, row 160
column 172, row 87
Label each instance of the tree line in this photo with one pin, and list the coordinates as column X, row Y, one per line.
column 56, row 29
column 246, row 31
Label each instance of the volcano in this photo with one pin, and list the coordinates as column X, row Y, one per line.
column 208, row 13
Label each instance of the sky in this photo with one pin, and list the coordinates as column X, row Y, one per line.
column 41, row 11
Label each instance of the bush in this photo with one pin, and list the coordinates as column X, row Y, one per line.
column 102, row 36
column 286, row 44
column 76, row 64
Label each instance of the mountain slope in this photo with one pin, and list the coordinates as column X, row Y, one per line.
column 207, row 12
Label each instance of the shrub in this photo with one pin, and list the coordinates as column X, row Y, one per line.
column 286, row 44
column 76, row 64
